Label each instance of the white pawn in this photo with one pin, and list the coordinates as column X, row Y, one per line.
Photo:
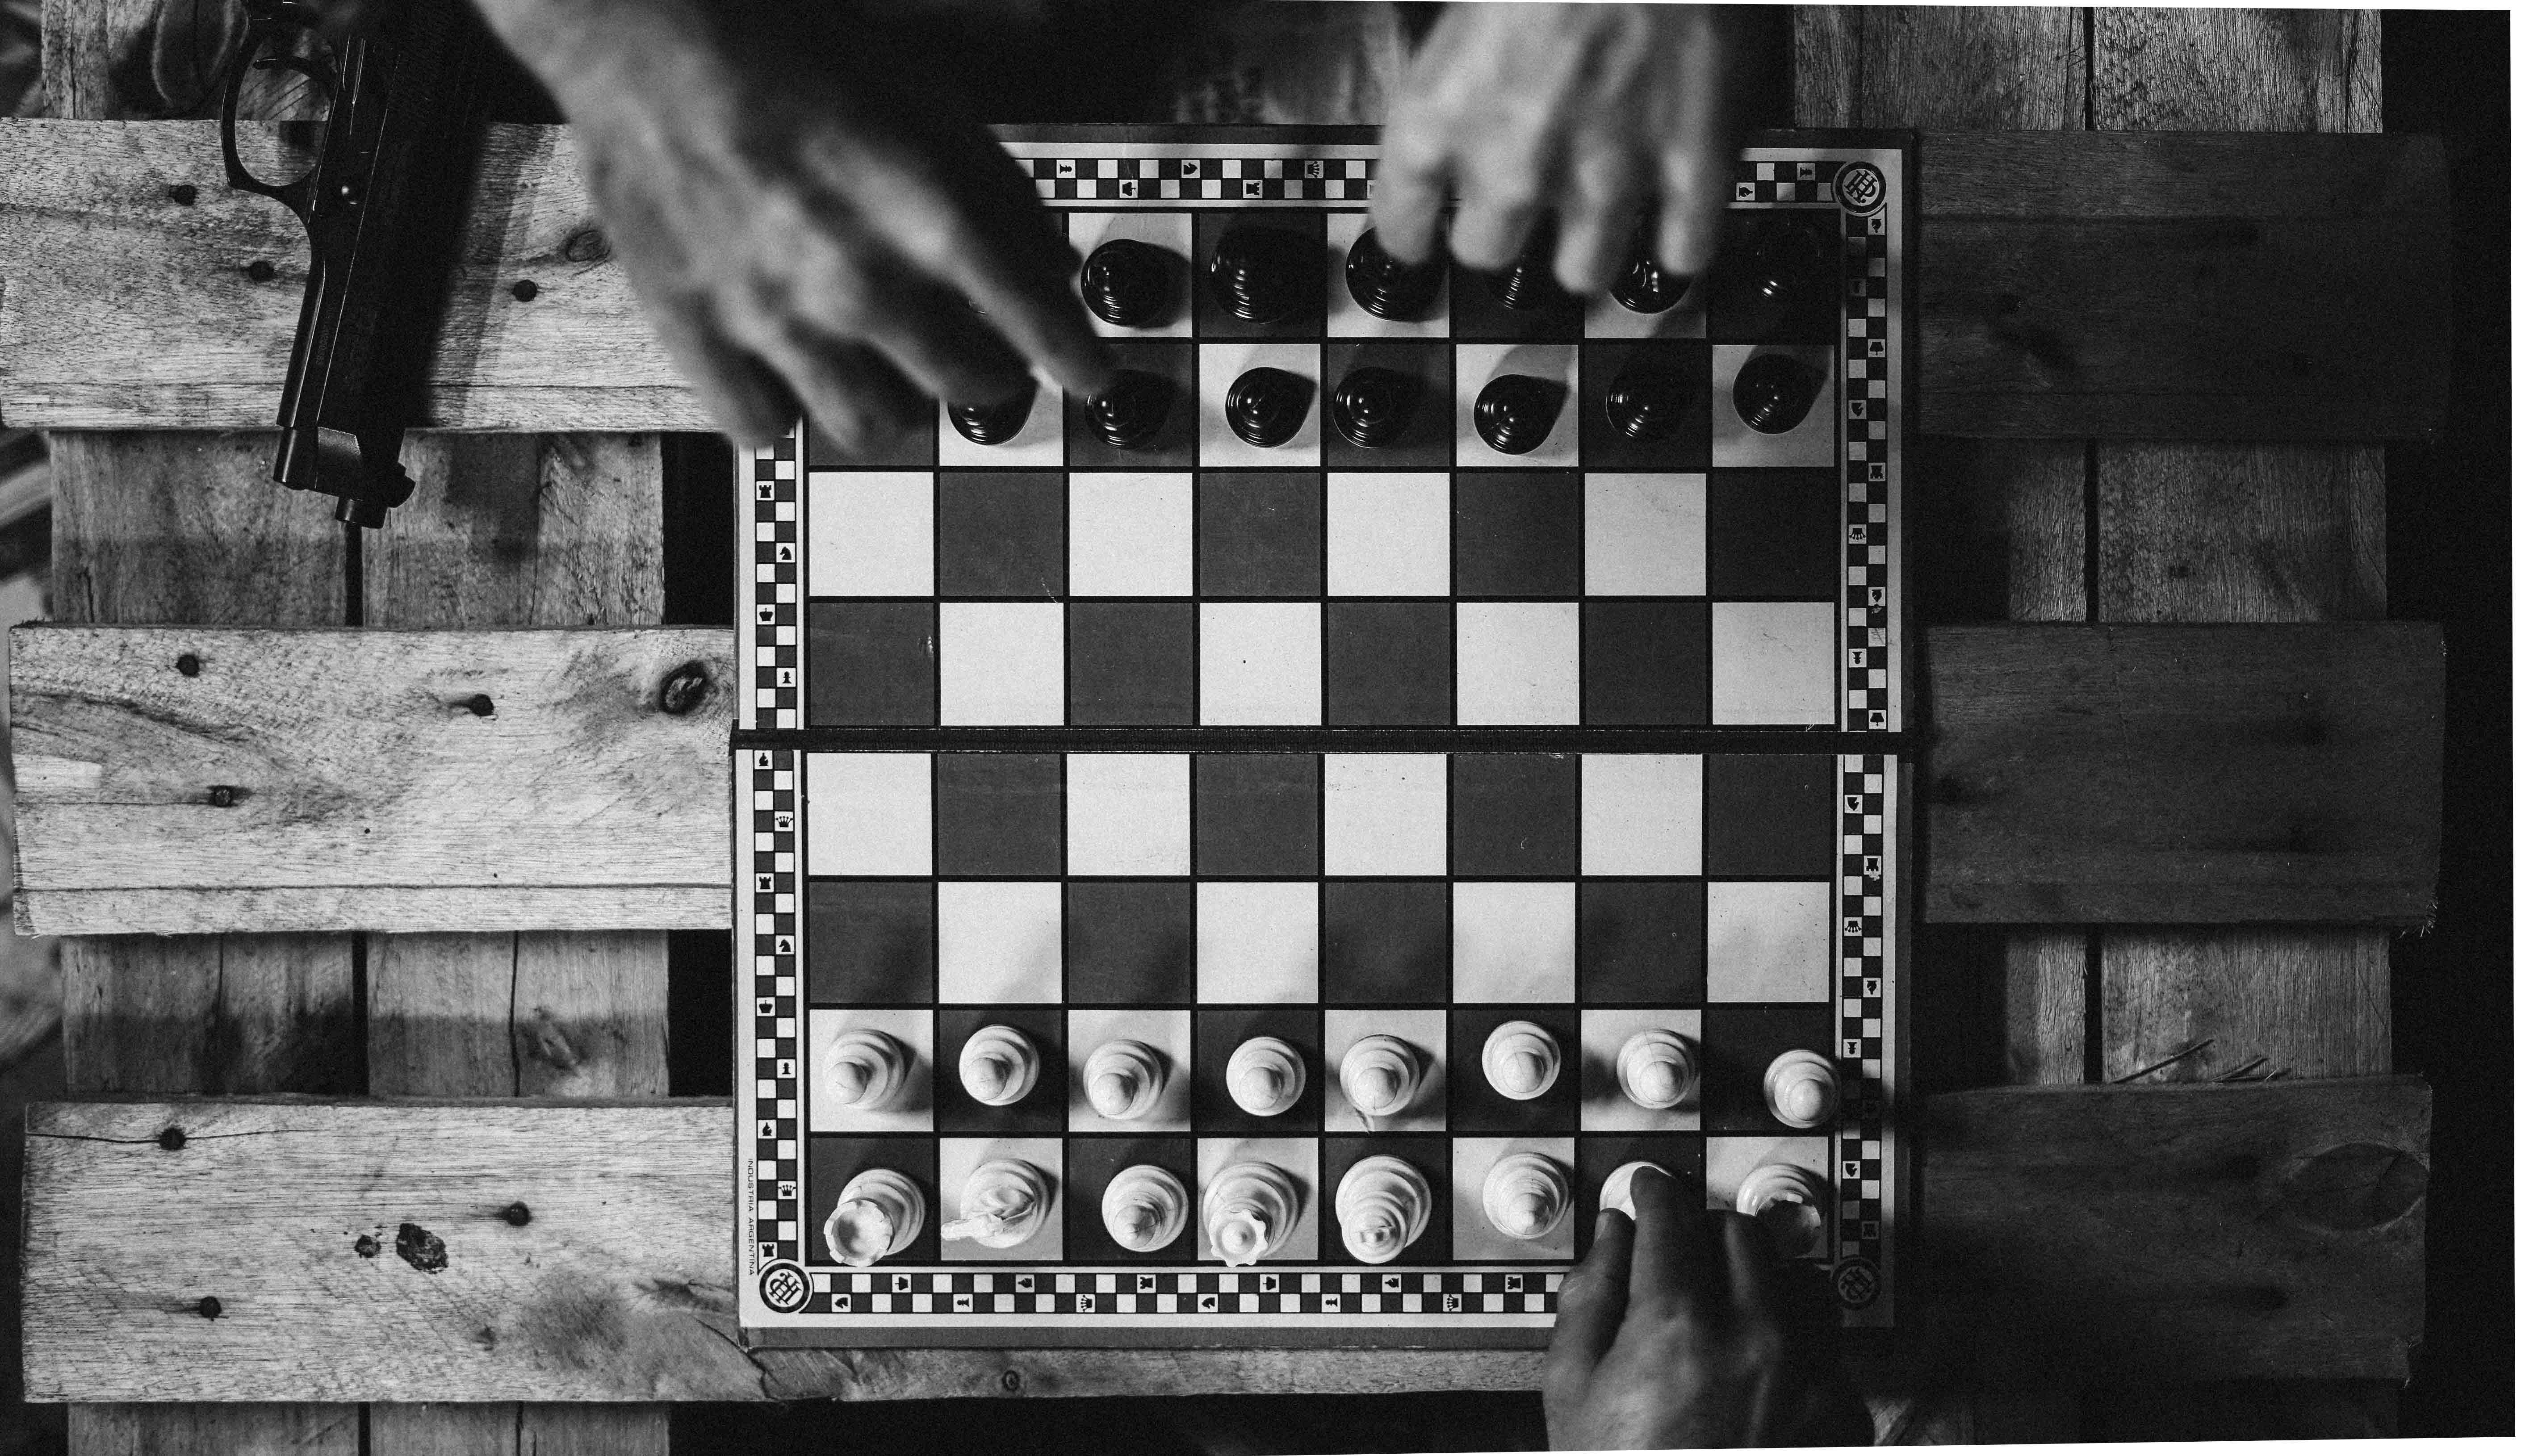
column 1789, row 1201
column 1521, row 1060
column 1525, row 1195
column 1123, row 1080
column 878, row 1214
column 1381, row 1074
column 1801, row 1089
column 999, row 1066
column 1248, row 1211
column 1265, row 1076
column 1616, row 1193
column 1657, row 1069
column 867, row 1068
column 1002, row 1204
column 1383, row 1204
column 1145, row 1208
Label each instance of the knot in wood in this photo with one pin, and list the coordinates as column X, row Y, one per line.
column 1012, row 1381
column 525, row 290
column 188, row 664
column 517, row 1215
column 261, row 271
column 367, row 1246
column 207, row 1308
column 225, row 796
column 585, row 245
column 481, row 706
column 182, row 194
column 172, row 1139
column 685, row 689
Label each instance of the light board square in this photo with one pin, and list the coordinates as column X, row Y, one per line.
column 1128, row 534
column 1639, row 813
column 1258, row 940
column 871, row 534
column 1390, row 535
column 999, row 942
column 1515, row 662
column 1384, row 813
column 1128, row 814
column 1001, row 663
column 1772, row 662
column 1259, row 663
column 1645, row 535
column 1770, row 940
column 1515, row 940
column 870, row 813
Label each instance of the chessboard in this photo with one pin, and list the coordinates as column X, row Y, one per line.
column 1249, row 858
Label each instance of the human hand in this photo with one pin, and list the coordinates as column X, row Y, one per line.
column 1594, row 113
column 1683, row 1329
column 806, row 221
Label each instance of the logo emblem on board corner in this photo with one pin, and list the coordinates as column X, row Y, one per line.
column 1861, row 187
column 1855, row 1281
column 784, row 1287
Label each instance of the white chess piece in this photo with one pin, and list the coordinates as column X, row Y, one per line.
column 1123, row 1080
column 1002, row 1204
column 1145, row 1208
column 878, row 1214
column 1801, row 1089
column 1383, row 1204
column 1265, row 1076
column 1525, row 1195
column 999, row 1066
column 1248, row 1211
column 1616, row 1193
column 1657, row 1069
column 1789, row 1201
column 1381, row 1074
column 1521, row 1060
column 867, row 1068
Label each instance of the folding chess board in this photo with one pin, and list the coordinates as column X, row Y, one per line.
column 1205, row 740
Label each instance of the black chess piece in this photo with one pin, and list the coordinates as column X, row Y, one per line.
column 1388, row 288
column 1647, row 401
column 1267, row 406
column 1528, row 285
column 1129, row 283
column 1132, row 411
column 1373, row 405
column 1263, row 275
column 1775, row 391
column 995, row 424
column 1644, row 288
column 1772, row 266
column 1515, row 412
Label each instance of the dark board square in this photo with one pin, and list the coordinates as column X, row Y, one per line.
column 868, row 664
column 1042, row 1110
column 1775, row 533
column 998, row 815
column 1644, row 663
column 1642, row 941
column 1000, row 534
column 1260, row 534
column 868, row 942
column 1215, row 1033
column 1256, row 816
column 1475, row 1107
column 1737, row 1045
column 1480, row 314
column 1209, row 316
column 1600, row 446
column 828, row 1162
column 1513, row 815
column 1766, row 815
column 1805, row 307
column 1599, row 1156
column 1131, row 662
column 1517, row 534
column 1128, row 942
column 1092, row 1161
column 909, row 449
column 1433, row 1156
column 1387, row 942
column 1172, row 447
column 1388, row 663
column 1427, row 440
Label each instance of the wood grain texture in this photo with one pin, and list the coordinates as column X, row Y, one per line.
column 2237, row 70
column 246, row 1429
column 185, row 526
column 2309, row 1002
column 508, row 1428
column 2242, row 533
column 511, row 530
column 2183, row 775
column 2022, row 68
column 397, row 908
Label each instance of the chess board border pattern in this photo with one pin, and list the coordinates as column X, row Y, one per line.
column 787, row 1296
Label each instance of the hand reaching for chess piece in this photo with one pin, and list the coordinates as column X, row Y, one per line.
column 1681, row 1328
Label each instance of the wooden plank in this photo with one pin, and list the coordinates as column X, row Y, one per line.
column 244, row 1429
column 2154, row 286
column 2309, row 1002
column 2242, row 533
column 2022, row 68
column 2183, row 775
column 409, row 908
column 2237, row 70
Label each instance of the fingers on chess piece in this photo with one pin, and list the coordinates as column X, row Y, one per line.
column 1521, row 1060
column 1250, row 1211
column 1383, row 1205
column 1265, row 1076
column 1123, row 1080
column 1002, row 1204
column 1775, row 391
column 1801, row 1089
column 1529, row 284
column 1657, row 1069
column 867, row 1068
column 1616, row 1193
column 1525, row 1195
column 995, row 424
column 999, row 1066
column 1265, row 275
column 1267, row 406
column 1129, row 284
column 1373, row 405
column 1133, row 410
column 1647, row 401
column 1381, row 1074
column 1145, row 1208
column 1514, row 413
column 1789, row 1202
column 1388, row 288
column 1644, row 288
column 878, row 1214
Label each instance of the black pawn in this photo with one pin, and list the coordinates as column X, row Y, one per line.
column 1132, row 411
column 1129, row 284
column 1515, row 412
column 993, row 424
column 1263, row 275
column 1373, row 405
column 1388, row 288
column 1774, row 392
column 1266, row 406
column 1647, row 401
column 1644, row 288
column 1528, row 285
